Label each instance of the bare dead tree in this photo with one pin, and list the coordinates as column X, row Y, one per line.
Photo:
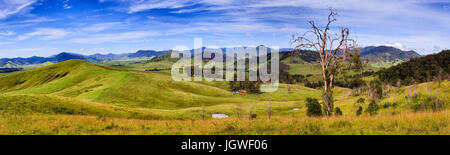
column 333, row 47
column 399, row 83
column 439, row 77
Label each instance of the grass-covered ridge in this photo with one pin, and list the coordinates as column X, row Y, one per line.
column 82, row 80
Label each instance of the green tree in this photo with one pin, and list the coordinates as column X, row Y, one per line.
column 372, row 109
column 313, row 107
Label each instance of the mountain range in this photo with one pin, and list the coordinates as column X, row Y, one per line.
column 11, row 62
column 377, row 56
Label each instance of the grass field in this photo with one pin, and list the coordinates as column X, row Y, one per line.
column 4, row 74
column 424, row 123
column 76, row 97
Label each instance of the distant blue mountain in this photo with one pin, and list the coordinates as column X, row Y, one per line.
column 146, row 53
column 68, row 56
column 93, row 58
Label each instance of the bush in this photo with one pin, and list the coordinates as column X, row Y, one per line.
column 389, row 104
column 376, row 89
column 337, row 111
column 314, row 84
column 249, row 86
column 421, row 102
column 313, row 107
column 361, row 100
column 358, row 82
column 359, row 111
column 372, row 109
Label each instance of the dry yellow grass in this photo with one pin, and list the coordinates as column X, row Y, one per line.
column 424, row 123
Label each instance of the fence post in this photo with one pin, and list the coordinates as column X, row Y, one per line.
column 203, row 111
column 269, row 108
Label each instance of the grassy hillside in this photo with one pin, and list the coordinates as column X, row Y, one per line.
column 76, row 97
column 81, row 80
column 386, row 56
column 434, row 66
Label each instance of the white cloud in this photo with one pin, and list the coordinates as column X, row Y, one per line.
column 38, row 20
column 45, row 34
column 11, row 7
column 133, row 6
column 114, row 37
column 180, row 48
column 101, row 26
column 7, row 33
column 156, row 4
column 396, row 45
column 65, row 5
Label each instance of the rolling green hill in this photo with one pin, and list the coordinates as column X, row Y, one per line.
column 386, row 56
column 424, row 69
column 82, row 80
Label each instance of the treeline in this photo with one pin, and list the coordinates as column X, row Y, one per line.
column 306, row 55
column 247, row 85
column 431, row 67
column 285, row 77
column 9, row 70
column 354, row 82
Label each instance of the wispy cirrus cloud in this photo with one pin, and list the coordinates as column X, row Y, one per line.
column 11, row 7
column 102, row 26
column 133, row 6
column 44, row 34
column 7, row 33
column 114, row 37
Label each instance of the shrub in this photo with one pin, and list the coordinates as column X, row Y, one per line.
column 389, row 104
column 313, row 107
column 337, row 111
column 253, row 116
column 359, row 111
column 372, row 109
column 376, row 89
column 421, row 102
column 314, row 84
column 361, row 100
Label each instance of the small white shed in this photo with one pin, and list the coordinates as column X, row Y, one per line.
column 219, row 116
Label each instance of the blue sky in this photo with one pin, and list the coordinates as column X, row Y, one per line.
column 48, row 27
